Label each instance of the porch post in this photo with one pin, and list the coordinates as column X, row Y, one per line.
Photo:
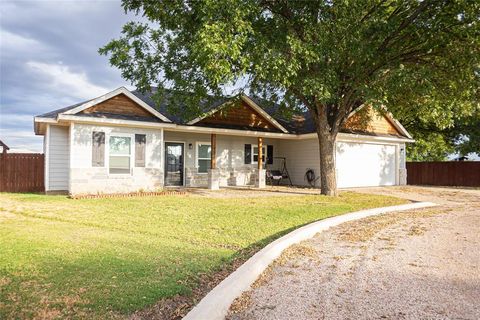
column 213, row 143
column 261, row 176
column 260, row 153
column 213, row 172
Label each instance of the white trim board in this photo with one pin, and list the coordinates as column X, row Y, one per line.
column 231, row 132
column 197, row 143
column 111, row 94
column 47, row 158
column 131, row 136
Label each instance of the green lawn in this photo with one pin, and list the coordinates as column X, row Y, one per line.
column 99, row 258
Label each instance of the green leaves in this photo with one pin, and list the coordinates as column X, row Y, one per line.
column 420, row 59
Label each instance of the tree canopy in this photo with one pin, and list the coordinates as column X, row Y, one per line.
column 420, row 59
column 435, row 142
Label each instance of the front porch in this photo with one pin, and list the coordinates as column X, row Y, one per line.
column 213, row 161
column 216, row 174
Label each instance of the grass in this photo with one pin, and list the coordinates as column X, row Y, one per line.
column 101, row 258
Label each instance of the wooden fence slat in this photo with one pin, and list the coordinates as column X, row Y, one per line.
column 451, row 173
column 22, row 172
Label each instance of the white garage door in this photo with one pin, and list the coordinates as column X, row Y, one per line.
column 365, row 165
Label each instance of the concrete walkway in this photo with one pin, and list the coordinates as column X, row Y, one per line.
column 421, row 264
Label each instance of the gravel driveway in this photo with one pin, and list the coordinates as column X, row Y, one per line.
column 422, row 264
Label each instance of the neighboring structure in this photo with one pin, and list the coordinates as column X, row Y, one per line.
column 123, row 142
column 5, row 148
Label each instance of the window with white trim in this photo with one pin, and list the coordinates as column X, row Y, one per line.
column 120, row 154
column 204, row 156
column 255, row 153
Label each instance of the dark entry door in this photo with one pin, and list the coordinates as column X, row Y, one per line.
column 173, row 164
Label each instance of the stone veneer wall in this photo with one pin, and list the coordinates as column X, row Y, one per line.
column 228, row 177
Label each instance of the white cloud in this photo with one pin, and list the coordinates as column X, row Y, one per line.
column 12, row 42
column 14, row 119
column 60, row 79
column 21, row 140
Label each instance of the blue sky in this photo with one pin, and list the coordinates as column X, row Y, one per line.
column 49, row 59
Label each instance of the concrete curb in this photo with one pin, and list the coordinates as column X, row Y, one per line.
column 215, row 305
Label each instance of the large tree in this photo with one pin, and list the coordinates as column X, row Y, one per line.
column 328, row 57
column 435, row 141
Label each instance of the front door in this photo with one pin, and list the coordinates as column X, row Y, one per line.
column 173, row 164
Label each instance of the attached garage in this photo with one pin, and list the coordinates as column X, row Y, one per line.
column 366, row 164
column 367, row 154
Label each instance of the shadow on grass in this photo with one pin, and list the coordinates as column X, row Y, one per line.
column 178, row 306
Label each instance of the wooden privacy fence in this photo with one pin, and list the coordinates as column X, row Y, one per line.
column 453, row 173
column 22, row 172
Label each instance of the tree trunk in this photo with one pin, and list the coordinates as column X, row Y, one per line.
column 326, row 140
column 328, row 177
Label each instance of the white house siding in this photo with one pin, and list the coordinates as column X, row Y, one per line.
column 360, row 163
column 230, row 158
column 58, row 158
column 86, row 179
column 301, row 155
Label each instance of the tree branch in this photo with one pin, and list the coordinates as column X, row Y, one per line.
column 404, row 24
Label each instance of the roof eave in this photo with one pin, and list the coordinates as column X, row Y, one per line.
column 39, row 123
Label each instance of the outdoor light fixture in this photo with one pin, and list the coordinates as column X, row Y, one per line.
column 190, row 146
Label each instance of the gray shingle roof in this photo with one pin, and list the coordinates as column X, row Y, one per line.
column 165, row 107
column 299, row 124
column 53, row 114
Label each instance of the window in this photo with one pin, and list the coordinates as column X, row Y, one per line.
column 255, row 153
column 120, row 154
column 204, row 155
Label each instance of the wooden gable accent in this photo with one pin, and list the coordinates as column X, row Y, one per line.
column 370, row 120
column 120, row 104
column 240, row 114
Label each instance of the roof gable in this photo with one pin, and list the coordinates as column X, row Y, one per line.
column 369, row 120
column 120, row 105
column 125, row 103
column 238, row 115
column 244, row 114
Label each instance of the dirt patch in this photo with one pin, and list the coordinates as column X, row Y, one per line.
column 241, row 303
column 251, row 192
column 5, row 215
column 365, row 229
column 294, row 252
column 297, row 251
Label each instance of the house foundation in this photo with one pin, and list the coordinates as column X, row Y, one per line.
column 260, row 181
column 214, row 179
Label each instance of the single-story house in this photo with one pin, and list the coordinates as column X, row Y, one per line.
column 124, row 142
